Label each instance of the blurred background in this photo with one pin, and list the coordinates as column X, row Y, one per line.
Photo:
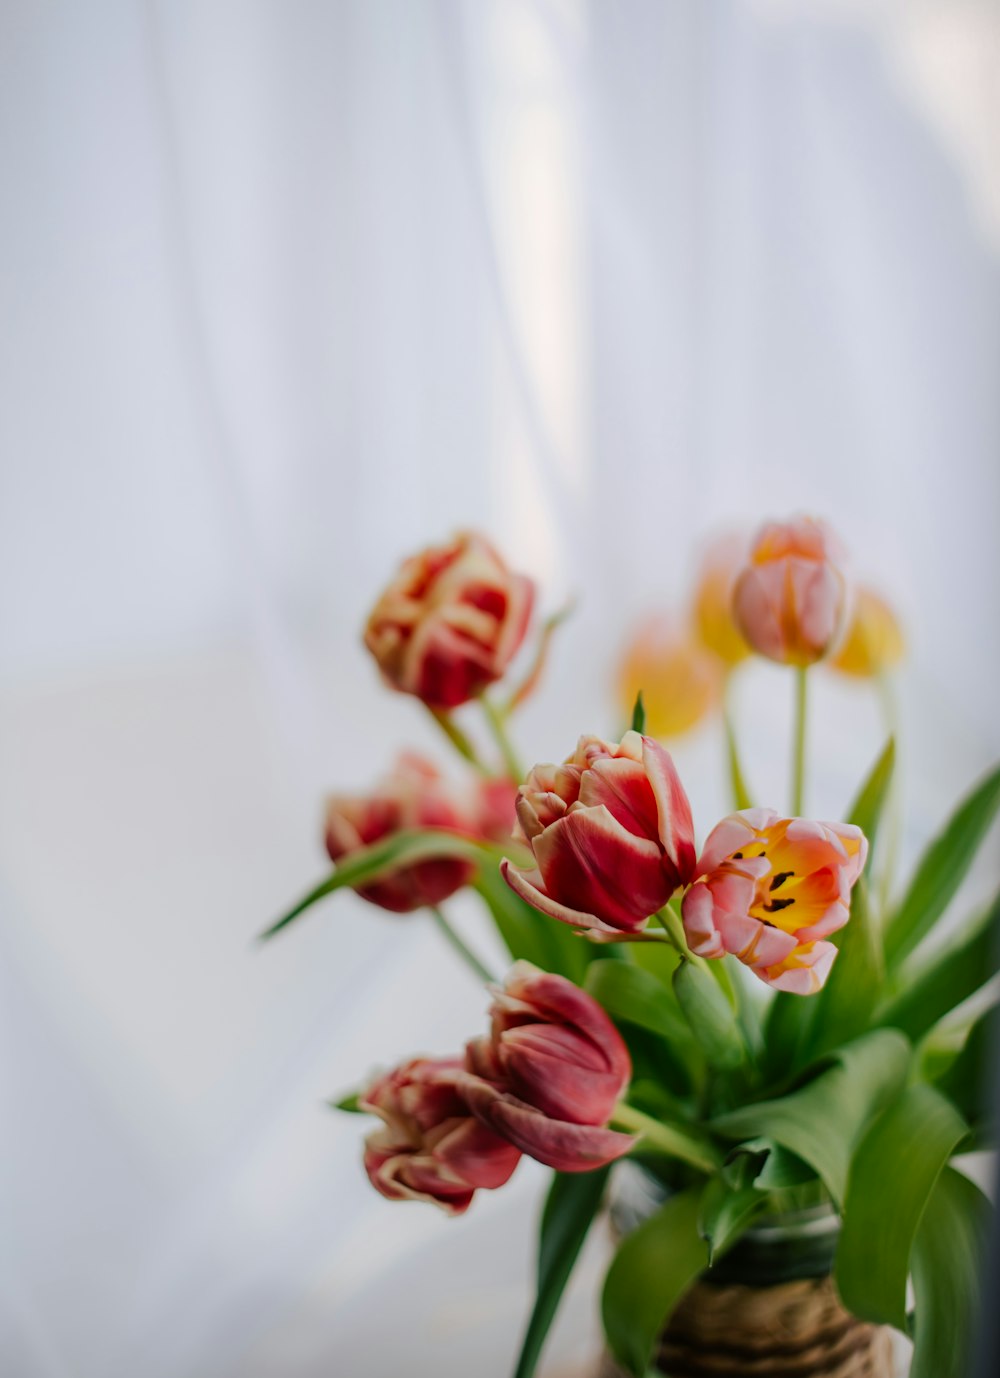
column 286, row 292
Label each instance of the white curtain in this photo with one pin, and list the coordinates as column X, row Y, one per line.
column 287, row 290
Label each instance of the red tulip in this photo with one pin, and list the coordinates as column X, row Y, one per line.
column 611, row 834
column 769, row 890
column 550, row 1073
column 450, row 622
column 414, row 796
column 790, row 600
column 430, row 1147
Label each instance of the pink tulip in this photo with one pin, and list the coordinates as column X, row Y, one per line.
column 414, row 796
column 769, row 890
column 450, row 622
column 611, row 834
column 430, row 1148
column 550, row 1073
column 790, row 599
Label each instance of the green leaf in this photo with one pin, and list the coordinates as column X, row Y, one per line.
column 348, row 1103
column 653, row 1268
column 639, row 714
column 573, row 1201
column 787, row 1025
column 370, row 863
column 892, row 1176
column 630, row 993
column 527, row 934
column 711, row 1017
column 764, row 1164
column 966, row 1082
column 948, row 1268
column 866, row 810
column 726, row 1212
column 844, row 1007
column 947, row 977
column 742, row 798
column 942, row 868
column 823, row 1120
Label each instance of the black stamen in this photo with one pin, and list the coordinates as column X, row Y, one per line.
column 780, row 879
column 737, row 856
column 773, row 906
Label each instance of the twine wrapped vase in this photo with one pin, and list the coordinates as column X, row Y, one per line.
column 768, row 1309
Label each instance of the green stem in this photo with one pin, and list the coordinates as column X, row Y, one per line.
column 458, row 738
column 799, row 745
column 459, row 946
column 737, row 781
column 670, row 917
column 890, row 858
column 495, row 721
column 676, row 1140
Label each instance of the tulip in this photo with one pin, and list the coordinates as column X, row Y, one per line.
column 769, row 890
column 494, row 811
column 430, row 1148
column 679, row 679
column 414, row 796
column 874, row 642
column 789, row 601
column 550, row 1073
column 450, row 622
column 714, row 622
column 611, row 834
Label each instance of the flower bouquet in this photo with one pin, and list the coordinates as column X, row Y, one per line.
column 781, row 1042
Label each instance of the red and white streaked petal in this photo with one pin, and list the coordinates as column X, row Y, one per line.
column 556, row 1143
column 531, row 888
column 559, row 1072
column 476, row 1156
column 676, row 827
column 556, row 998
column 589, row 859
column 622, row 787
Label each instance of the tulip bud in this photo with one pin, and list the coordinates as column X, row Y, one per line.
column 430, row 1147
column 450, row 622
column 714, row 622
column 611, row 834
column 679, row 679
column 874, row 641
column 769, row 889
column 414, row 796
column 789, row 601
column 550, row 1073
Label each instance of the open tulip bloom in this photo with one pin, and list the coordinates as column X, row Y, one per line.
column 748, row 1018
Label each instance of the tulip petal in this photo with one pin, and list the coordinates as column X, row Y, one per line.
column 530, row 886
column 676, row 827
column 556, row 1143
column 589, row 860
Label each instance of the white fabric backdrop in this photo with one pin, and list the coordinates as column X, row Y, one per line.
column 285, row 291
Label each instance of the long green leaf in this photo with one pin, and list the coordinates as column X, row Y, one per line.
column 628, row 992
column 942, row 868
column 967, row 1082
column 892, row 1176
column 527, row 934
column 947, row 978
column 869, row 803
column 948, row 1273
column 726, row 1212
column 844, row 1007
column 822, row 1121
column 711, row 1017
column 653, row 1268
column 369, row 863
column 573, row 1201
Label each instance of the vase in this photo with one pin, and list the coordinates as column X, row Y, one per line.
column 767, row 1309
